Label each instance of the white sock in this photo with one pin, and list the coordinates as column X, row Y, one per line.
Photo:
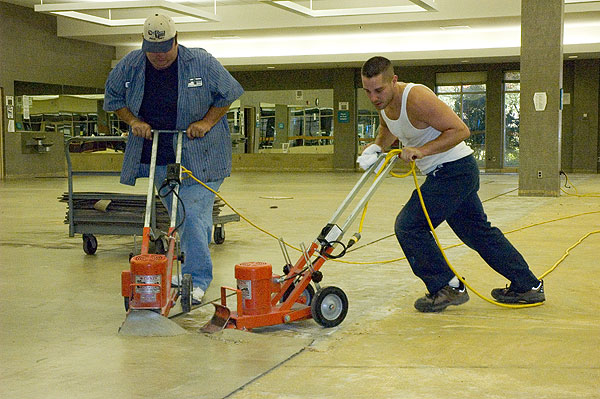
column 454, row 283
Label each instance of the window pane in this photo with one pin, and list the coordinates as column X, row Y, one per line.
column 448, row 89
column 512, row 86
column 474, row 111
column 511, row 129
column 512, row 75
column 474, row 88
column 474, row 118
column 453, row 101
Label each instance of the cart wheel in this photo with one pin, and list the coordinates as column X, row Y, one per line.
column 126, row 302
column 219, row 234
column 90, row 244
column 186, row 293
column 305, row 298
column 329, row 307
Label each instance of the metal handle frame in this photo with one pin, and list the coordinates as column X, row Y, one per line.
column 367, row 196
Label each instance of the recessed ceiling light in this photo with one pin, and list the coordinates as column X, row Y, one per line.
column 270, row 67
column 573, row 56
column 84, row 11
column 416, row 6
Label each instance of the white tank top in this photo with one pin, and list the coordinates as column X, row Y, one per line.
column 410, row 136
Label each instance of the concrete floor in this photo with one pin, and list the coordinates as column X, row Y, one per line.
column 60, row 308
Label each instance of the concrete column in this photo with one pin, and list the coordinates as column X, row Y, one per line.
column 494, row 114
column 281, row 125
column 344, row 124
column 541, row 72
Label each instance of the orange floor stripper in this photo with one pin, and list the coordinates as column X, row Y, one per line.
column 146, row 286
column 266, row 299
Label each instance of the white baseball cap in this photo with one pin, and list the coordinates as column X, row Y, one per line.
column 159, row 33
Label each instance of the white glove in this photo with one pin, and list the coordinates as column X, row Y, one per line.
column 369, row 156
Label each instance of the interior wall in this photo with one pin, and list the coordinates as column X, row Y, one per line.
column 566, row 150
column 585, row 116
column 30, row 51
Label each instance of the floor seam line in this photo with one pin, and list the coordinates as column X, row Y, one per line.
column 268, row 371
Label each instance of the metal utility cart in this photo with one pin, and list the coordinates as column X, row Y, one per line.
column 97, row 213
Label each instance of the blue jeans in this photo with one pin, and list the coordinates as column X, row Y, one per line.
column 196, row 232
column 450, row 194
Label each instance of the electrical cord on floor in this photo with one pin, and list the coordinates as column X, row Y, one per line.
column 568, row 184
column 189, row 173
column 412, row 172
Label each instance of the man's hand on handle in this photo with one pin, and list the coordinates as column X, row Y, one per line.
column 368, row 156
column 410, row 154
column 198, row 129
column 141, row 129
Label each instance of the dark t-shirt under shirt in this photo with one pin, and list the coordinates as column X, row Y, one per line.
column 159, row 110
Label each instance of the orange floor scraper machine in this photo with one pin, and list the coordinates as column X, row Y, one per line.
column 266, row 299
column 146, row 286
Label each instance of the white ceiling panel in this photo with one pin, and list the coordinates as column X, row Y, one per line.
column 254, row 33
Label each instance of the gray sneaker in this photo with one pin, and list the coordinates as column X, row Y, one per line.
column 509, row 295
column 442, row 299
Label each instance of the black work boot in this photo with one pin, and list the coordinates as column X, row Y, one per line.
column 509, row 295
column 442, row 299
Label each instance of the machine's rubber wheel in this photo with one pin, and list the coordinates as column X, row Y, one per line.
column 186, row 293
column 90, row 244
column 219, row 234
column 126, row 303
column 308, row 294
column 329, row 307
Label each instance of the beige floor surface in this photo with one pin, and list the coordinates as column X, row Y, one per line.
column 61, row 309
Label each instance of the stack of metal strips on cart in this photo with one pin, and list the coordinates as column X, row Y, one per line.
column 217, row 207
column 114, row 210
column 119, row 209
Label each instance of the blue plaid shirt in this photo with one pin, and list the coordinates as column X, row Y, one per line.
column 203, row 83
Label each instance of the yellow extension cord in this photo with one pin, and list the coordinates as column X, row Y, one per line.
column 575, row 188
column 412, row 172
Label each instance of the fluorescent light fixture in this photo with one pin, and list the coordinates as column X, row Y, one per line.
column 226, row 37
column 416, row 6
column 80, row 11
column 580, row 1
column 455, row 27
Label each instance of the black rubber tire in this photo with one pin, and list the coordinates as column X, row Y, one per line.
column 186, row 293
column 219, row 234
column 308, row 293
column 90, row 244
column 126, row 303
column 329, row 307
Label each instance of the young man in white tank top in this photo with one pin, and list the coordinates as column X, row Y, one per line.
column 433, row 136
